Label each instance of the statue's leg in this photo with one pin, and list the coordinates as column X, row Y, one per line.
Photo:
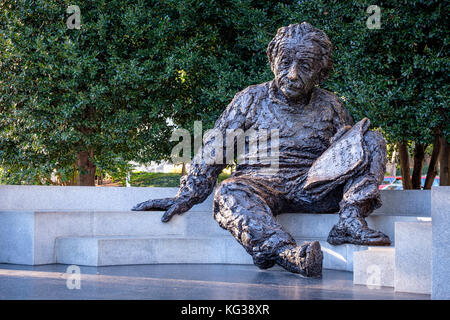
column 245, row 209
column 361, row 196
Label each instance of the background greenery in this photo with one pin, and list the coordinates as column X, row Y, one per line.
column 159, row 179
column 110, row 87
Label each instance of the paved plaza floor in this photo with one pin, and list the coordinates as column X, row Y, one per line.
column 182, row 281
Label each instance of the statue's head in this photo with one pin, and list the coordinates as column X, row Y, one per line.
column 300, row 57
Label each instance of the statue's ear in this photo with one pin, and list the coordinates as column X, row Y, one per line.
column 322, row 77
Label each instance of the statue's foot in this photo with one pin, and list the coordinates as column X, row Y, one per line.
column 355, row 231
column 305, row 259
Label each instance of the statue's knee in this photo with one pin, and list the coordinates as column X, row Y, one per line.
column 233, row 188
column 377, row 150
column 375, row 141
column 225, row 199
column 226, row 186
column 225, row 189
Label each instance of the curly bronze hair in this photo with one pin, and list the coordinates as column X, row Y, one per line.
column 304, row 32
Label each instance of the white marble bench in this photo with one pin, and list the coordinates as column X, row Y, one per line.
column 94, row 226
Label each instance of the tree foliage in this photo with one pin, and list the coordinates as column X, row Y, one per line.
column 111, row 86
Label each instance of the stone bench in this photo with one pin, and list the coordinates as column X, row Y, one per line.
column 94, row 226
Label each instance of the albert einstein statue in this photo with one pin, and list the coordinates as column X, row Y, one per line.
column 325, row 163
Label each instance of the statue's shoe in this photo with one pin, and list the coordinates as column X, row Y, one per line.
column 305, row 259
column 356, row 231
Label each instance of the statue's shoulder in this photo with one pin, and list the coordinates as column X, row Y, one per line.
column 326, row 97
column 242, row 108
column 331, row 100
column 245, row 99
column 253, row 91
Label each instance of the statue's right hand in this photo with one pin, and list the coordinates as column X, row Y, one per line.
column 172, row 206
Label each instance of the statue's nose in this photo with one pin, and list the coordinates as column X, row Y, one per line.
column 293, row 73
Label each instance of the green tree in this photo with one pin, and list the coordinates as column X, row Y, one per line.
column 102, row 95
column 78, row 98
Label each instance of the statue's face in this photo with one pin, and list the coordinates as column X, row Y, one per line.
column 296, row 70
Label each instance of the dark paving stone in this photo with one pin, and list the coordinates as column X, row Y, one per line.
column 184, row 281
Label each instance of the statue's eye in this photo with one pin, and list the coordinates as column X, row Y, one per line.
column 306, row 66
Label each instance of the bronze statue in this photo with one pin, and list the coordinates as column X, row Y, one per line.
column 325, row 165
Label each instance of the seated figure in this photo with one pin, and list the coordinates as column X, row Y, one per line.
column 325, row 164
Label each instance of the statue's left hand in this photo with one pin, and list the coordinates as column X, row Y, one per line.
column 172, row 206
column 154, row 205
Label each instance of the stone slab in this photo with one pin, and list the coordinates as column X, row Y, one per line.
column 54, row 198
column 440, row 212
column 132, row 250
column 315, row 225
column 302, row 225
column 374, row 267
column 17, row 237
column 413, row 257
column 405, row 202
column 74, row 198
column 128, row 250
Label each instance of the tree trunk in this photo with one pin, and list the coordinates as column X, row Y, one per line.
column 432, row 168
column 444, row 163
column 419, row 155
column 183, row 169
column 392, row 165
column 74, row 179
column 404, row 165
column 86, row 168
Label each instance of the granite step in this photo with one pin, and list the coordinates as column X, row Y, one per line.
column 374, row 267
column 413, row 247
column 406, row 268
column 130, row 250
